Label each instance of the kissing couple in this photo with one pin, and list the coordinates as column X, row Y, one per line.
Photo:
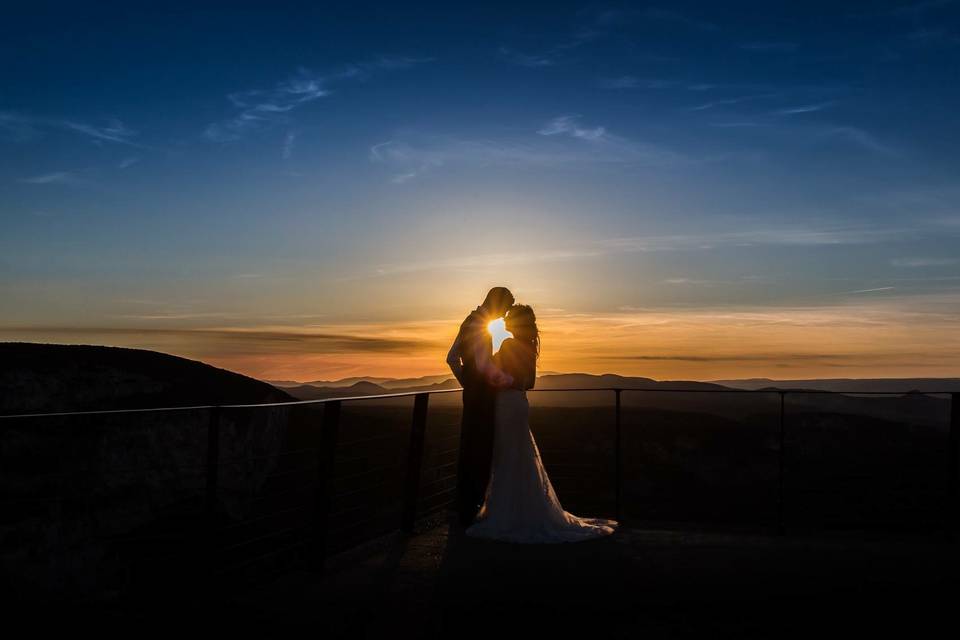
column 503, row 491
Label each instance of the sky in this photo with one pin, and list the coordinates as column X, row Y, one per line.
column 319, row 190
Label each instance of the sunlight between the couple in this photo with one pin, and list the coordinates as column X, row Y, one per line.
column 498, row 331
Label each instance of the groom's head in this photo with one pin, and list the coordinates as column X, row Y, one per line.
column 498, row 300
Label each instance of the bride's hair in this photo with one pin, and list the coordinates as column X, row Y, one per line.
column 522, row 323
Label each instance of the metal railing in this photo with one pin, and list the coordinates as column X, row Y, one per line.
column 415, row 502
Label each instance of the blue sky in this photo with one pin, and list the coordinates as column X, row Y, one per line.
column 170, row 174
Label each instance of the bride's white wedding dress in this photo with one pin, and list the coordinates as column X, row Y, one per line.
column 520, row 504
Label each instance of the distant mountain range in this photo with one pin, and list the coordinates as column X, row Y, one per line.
column 361, row 386
column 56, row 377
column 912, row 409
column 849, row 384
column 385, row 383
column 368, row 386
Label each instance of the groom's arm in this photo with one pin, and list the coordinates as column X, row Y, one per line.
column 454, row 362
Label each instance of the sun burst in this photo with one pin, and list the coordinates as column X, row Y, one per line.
column 498, row 331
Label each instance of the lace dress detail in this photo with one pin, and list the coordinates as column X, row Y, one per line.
column 520, row 504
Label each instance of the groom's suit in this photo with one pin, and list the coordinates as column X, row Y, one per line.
column 469, row 359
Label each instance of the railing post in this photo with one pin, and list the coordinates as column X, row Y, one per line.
column 617, row 468
column 418, row 430
column 781, row 526
column 212, row 485
column 326, row 455
column 213, row 462
column 953, row 468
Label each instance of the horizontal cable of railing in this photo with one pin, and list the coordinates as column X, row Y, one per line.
column 387, row 396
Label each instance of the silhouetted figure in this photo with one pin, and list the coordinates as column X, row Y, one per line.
column 471, row 360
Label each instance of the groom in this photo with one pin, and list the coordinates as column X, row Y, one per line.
column 470, row 359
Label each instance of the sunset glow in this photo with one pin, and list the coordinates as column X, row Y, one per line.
column 854, row 339
column 674, row 197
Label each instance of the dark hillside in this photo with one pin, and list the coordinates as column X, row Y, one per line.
column 56, row 377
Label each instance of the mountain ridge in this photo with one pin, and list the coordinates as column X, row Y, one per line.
column 849, row 385
column 544, row 382
column 391, row 385
column 43, row 377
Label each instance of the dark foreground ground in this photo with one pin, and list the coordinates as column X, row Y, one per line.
column 635, row 584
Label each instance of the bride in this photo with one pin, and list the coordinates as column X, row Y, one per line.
column 520, row 504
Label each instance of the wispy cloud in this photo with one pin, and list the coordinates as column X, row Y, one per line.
column 748, row 280
column 592, row 25
column 553, row 55
column 58, row 177
column 533, row 60
column 240, row 340
column 259, row 108
column 808, row 108
column 17, row 127
column 486, row 261
column 741, row 124
column 949, row 222
column 785, row 236
column 781, row 357
column 874, row 290
column 728, row 101
column 113, row 130
column 567, row 125
column 561, row 141
column 683, row 281
column 795, row 130
column 859, row 137
column 800, row 236
column 600, row 145
column 178, row 315
column 412, row 158
column 909, row 333
column 924, row 262
column 128, row 162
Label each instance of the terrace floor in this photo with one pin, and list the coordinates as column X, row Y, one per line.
column 635, row 584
